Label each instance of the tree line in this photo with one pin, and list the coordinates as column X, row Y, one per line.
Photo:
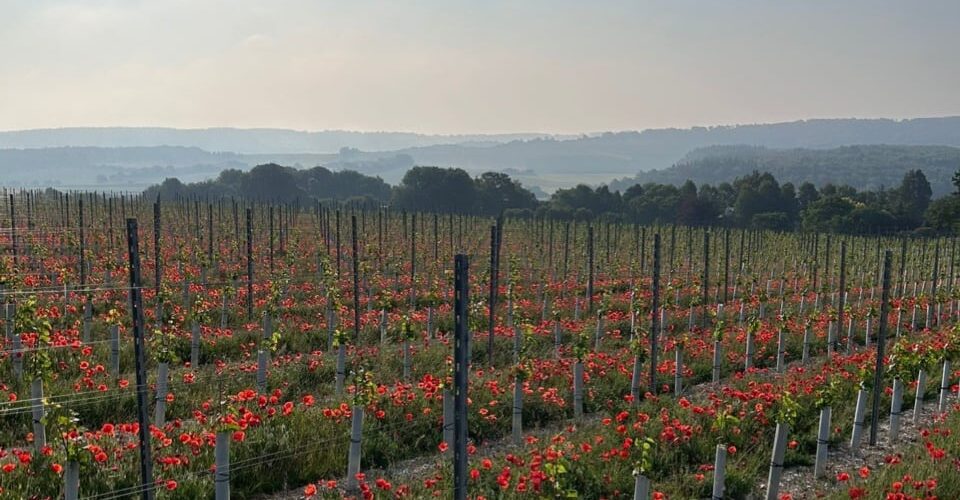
column 755, row 201
column 865, row 167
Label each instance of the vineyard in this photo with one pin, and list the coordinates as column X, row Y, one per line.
column 225, row 348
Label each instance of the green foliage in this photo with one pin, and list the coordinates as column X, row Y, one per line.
column 65, row 425
column 557, row 471
column 275, row 296
column 744, row 191
column 386, row 299
column 436, row 189
column 497, row 192
column 405, row 330
column 639, row 345
column 163, row 345
column 788, row 409
column 340, row 338
column 29, row 321
column 907, row 358
column 944, row 214
column 863, row 167
column 581, row 345
column 644, row 463
column 199, row 312
column 719, row 327
column 364, row 387
column 830, row 394
column 723, row 426
column 277, row 183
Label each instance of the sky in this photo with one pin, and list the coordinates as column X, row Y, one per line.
column 479, row 66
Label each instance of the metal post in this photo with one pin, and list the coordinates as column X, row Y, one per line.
column 209, row 234
column 492, row 304
column 706, row 276
column 338, row 245
column 590, row 266
column 902, row 275
column 461, row 368
column 156, row 248
column 726, row 266
column 643, row 250
column 881, row 343
column 356, row 280
column 136, row 311
column 249, row 264
column 843, row 289
column 13, row 231
column 566, row 254
column 83, row 250
column 413, row 260
column 655, row 313
column 271, row 238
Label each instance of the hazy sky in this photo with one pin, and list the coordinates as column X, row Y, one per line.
column 473, row 66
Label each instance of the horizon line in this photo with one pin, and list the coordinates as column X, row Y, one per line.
column 474, row 134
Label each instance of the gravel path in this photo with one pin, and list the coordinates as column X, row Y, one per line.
column 799, row 481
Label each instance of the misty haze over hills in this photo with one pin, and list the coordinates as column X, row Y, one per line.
column 132, row 158
column 251, row 141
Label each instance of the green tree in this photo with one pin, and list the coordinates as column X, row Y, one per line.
column 271, row 182
column 914, row 196
column 831, row 213
column 657, row 203
column 871, row 219
column 498, row 192
column 944, row 214
column 597, row 201
column 807, row 195
column 436, row 189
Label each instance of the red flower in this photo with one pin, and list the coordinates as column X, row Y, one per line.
column 843, row 476
column 239, row 436
column 171, row 485
column 310, row 490
column 864, row 472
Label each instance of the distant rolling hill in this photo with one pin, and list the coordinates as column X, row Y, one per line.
column 248, row 141
column 136, row 157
